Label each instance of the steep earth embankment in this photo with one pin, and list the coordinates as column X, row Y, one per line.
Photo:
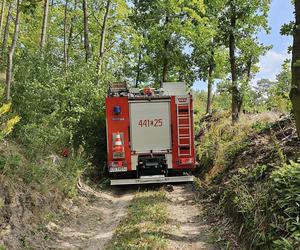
column 251, row 181
column 85, row 222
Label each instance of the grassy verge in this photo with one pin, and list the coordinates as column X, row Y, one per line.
column 143, row 228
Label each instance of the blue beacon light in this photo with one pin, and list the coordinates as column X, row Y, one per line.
column 117, row 110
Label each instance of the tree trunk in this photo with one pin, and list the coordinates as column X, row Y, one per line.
column 2, row 15
column 209, row 90
column 86, row 31
column 44, row 24
column 6, row 31
column 138, row 71
column 210, row 80
column 249, row 68
column 11, row 53
column 234, row 88
column 70, row 38
column 166, row 58
column 65, row 36
column 165, row 62
column 102, row 39
column 295, row 90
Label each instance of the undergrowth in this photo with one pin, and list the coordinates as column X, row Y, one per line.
column 143, row 228
column 223, row 142
column 50, row 174
column 262, row 198
column 265, row 207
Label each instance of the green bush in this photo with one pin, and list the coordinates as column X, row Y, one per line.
column 265, row 206
column 58, row 109
column 44, row 175
column 43, row 139
column 286, row 203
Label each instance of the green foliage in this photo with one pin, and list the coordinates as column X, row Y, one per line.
column 164, row 28
column 246, row 198
column 267, row 208
column 143, row 228
column 272, row 95
column 286, row 188
column 260, row 125
column 7, row 122
column 51, row 174
column 263, row 200
column 57, row 111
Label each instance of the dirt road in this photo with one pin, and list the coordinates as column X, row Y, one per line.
column 90, row 222
column 189, row 230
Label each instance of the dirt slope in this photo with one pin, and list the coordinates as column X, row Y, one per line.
column 188, row 227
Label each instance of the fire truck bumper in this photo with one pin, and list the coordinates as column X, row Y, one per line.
column 152, row 179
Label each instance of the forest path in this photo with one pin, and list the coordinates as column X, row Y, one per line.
column 90, row 222
column 188, row 227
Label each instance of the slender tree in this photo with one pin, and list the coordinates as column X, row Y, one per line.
column 2, row 15
column 86, row 30
column 164, row 26
column 166, row 56
column 65, row 35
column 235, row 102
column 138, row 68
column 210, row 82
column 44, row 24
column 207, row 49
column 11, row 53
column 6, row 31
column 102, row 38
column 239, row 20
column 71, row 30
column 295, row 90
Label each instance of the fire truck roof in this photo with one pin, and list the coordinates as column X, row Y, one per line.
column 167, row 89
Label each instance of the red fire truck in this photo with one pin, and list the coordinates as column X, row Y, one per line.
column 150, row 137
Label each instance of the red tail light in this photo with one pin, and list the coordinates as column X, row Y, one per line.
column 185, row 161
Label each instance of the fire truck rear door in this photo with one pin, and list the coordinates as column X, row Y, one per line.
column 150, row 126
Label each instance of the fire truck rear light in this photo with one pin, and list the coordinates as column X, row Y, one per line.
column 185, row 161
column 116, row 164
